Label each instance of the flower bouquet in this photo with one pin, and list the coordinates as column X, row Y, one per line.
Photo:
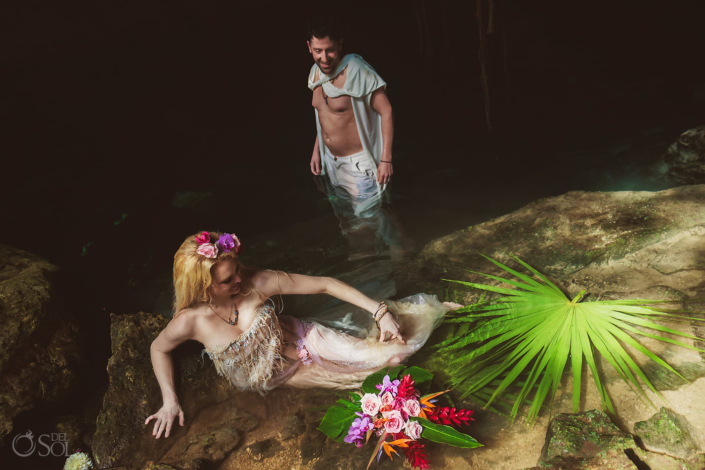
column 397, row 408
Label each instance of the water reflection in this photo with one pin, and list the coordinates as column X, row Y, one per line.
column 367, row 219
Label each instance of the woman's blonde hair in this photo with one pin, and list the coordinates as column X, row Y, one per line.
column 193, row 275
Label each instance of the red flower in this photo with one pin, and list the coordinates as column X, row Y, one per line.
column 203, row 238
column 406, row 388
column 416, row 455
column 450, row 416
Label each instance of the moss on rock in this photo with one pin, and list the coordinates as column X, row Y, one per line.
column 577, row 438
column 39, row 352
column 669, row 433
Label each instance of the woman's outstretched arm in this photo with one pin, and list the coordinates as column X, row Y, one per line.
column 275, row 283
column 176, row 332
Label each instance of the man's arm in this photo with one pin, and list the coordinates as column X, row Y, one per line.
column 380, row 103
column 316, row 158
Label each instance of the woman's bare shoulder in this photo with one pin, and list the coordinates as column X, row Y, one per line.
column 186, row 321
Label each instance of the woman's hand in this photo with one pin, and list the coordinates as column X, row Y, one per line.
column 165, row 418
column 388, row 324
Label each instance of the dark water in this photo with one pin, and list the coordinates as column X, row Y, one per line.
column 128, row 127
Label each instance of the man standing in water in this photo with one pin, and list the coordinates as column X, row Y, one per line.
column 353, row 118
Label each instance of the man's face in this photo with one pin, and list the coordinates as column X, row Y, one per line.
column 326, row 53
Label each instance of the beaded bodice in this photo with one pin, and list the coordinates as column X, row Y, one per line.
column 249, row 361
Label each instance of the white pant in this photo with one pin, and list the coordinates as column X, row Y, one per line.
column 353, row 174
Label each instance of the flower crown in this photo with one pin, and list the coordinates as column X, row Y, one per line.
column 226, row 243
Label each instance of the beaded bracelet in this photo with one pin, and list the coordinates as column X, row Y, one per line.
column 381, row 311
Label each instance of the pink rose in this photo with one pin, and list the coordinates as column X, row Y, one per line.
column 395, row 423
column 387, row 399
column 203, row 238
column 413, row 429
column 412, row 407
column 238, row 246
column 303, row 353
column 208, row 250
column 370, row 404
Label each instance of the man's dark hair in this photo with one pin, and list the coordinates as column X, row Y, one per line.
column 325, row 25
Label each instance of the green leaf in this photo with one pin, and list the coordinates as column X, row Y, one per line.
column 356, row 397
column 394, row 372
column 370, row 383
column 519, row 344
column 422, row 378
column 446, row 435
column 350, row 405
column 336, row 422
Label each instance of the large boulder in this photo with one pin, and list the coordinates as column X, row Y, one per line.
column 39, row 353
column 602, row 241
column 574, row 440
column 668, row 433
column 684, row 162
column 213, row 423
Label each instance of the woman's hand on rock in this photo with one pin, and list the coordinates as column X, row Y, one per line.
column 388, row 324
column 164, row 418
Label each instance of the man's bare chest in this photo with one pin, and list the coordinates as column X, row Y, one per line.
column 328, row 105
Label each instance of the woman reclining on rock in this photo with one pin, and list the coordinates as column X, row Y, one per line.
column 227, row 307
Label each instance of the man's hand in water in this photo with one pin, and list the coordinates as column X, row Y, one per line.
column 388, row 324
column 384, row 173
column 316, row 163
column 165, row 418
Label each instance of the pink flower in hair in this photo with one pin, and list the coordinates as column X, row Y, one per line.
column 203, row 238
column 208, row 250
column 238, row 246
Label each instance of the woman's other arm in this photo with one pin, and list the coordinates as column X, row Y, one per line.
column 176, row 332
column 299, row 284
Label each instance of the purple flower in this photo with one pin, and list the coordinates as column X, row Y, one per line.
column 358, row 430
column 225, row 243
column 388, row 385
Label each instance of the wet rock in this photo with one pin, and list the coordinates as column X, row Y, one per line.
column 573, row 439
column 596, row 241
column 72, row 427
column 664, row 379
column 684, row 162
column 133, row 393
column 215, row 432
column 294, row 427
column 262, row 449
column 39, row 351
column 157, row 466
column 666, row 462
column 668, row 433
column 312, row 443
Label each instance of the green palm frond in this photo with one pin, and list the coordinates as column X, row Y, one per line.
column 520, row 343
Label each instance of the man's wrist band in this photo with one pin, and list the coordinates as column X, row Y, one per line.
column 385, row 161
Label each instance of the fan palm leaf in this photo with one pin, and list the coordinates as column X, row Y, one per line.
column 518, row 345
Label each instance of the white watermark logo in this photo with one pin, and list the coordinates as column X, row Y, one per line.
column 55, row 444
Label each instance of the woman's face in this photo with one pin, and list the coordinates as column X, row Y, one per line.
column 226, row 280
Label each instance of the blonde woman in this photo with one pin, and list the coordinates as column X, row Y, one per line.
column 226, row 306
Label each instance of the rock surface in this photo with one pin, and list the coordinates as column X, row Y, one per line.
column 133, row 394
column 574, row 439
column 684, row 162
column 669, row 433
column 39, row 354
